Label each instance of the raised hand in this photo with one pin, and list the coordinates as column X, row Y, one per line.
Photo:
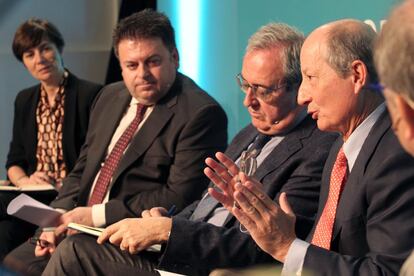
column 222, row 173
column 270, row 225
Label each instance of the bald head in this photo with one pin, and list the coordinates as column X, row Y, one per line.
column 337, row 68
column 345, row 41
column 394, row 51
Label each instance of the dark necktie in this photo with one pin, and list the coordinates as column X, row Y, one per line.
column 208, row 203
column 248, row 162
column 323, row 232
column 111, row 163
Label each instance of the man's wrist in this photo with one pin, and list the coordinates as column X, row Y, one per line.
column 281, row 252
column 166, row 229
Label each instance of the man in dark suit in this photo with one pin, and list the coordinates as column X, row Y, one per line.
column 205, row 236
column 394, row 52
column 147, row 139
column 364, row 224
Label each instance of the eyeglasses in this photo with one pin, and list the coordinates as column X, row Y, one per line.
column 259, row 91
column 40, row 242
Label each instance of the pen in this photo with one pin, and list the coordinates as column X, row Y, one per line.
column 171, row 211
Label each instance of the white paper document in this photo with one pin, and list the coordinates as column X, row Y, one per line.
column 33, row 211
column 27, row 188
column 167, row 273
column 94, row 231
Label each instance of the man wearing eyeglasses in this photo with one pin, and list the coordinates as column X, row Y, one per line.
column 282, row 148
column 365, row 220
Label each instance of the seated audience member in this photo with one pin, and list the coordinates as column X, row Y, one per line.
column 147, row 140
column 286, row 151
column 50, row 123
column 365, row 221
column 394, row 56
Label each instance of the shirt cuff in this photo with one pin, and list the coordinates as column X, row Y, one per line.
column 295, row 258
column 98, row 215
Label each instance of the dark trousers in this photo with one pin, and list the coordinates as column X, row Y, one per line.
column 79, row 254
column 14, row 231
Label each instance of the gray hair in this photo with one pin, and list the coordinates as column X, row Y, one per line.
column 349, row 41
column 276, row 35
column 394, row 51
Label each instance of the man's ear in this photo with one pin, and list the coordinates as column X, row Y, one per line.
column 176, row 57
column 359, row 75
column 406, row 115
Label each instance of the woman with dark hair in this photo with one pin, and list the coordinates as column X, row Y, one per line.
column 50, row 122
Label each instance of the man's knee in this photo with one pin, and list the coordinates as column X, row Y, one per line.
column 23, row 260
column 68, row 249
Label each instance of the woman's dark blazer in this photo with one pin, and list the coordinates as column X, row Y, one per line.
column 78, row 100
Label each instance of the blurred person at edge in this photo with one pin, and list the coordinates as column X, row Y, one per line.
column 394, row 59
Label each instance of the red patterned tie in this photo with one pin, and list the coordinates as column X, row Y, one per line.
column 111, row 163
column 323, row 232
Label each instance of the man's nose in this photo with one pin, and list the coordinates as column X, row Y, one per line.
column 303, row 97
column 143, row 71
column 249, row 97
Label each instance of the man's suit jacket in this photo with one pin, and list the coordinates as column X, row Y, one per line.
column 163, row 164
column 294, row 166
column 79, row 96
column 374, row 224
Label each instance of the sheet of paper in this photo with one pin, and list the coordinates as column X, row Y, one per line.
column 166, row 273
column 28, row 188
column 95, row 231
column 33, row 211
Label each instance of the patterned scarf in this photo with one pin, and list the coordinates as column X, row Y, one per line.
column 49, row 120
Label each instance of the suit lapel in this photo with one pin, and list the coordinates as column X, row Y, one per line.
column 286, row 148
column 31, row 130
column 240, row 143
column 70, row 115
column 145, row 136
column 70, row 106
column 378, row 130
column 106, row 128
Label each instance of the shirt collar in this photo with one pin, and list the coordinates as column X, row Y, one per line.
column 353, row 145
